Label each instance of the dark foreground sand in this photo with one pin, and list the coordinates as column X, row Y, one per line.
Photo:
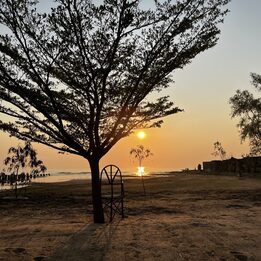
column 183, row 217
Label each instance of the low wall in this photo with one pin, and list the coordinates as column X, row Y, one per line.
column 248, row 165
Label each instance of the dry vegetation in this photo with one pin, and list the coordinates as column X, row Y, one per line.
column 183, row 217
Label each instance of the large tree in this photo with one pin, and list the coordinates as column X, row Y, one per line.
column 77, row 79
column 248, row 107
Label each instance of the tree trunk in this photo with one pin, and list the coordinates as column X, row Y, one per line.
column 98, row 216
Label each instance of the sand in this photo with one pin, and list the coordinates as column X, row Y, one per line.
column 184, row 217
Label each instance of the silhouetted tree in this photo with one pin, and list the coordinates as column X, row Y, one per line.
column 20, row 158
column 219, row 151
column 77, row 79
column 140, row 153
column 248, row 108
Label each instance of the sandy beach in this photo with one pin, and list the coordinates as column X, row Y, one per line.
column 184, row 217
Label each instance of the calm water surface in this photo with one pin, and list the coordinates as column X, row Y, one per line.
column 67, row 176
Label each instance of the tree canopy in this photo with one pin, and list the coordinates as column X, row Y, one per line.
column 78, row 78
column 140, row 153
column 248, row 108
column 23, row 157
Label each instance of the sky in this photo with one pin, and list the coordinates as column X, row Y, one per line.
column 202, row 89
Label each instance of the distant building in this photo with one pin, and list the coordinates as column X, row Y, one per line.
column 247, row 165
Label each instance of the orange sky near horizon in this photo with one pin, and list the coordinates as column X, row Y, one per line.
column 202, row 89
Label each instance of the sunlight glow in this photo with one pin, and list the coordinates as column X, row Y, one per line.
column 141, row 171
column 141, row 135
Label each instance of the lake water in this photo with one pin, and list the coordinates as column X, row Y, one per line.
column 68, row 176
column 63, row 176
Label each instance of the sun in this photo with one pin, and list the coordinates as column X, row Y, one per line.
column 141, row 135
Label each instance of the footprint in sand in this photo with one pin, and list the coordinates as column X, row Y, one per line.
column 39, row 258
column 239, row 256
column 18, row 250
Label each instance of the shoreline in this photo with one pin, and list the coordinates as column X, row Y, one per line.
column 74, row 177
column 67, row 176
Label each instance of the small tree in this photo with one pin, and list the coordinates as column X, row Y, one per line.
column 140, row 153
column 248, row 108
column 20, row 158
column 219, row 151
column 77, row 79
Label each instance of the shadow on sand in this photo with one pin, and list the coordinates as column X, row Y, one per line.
column 91, row 243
